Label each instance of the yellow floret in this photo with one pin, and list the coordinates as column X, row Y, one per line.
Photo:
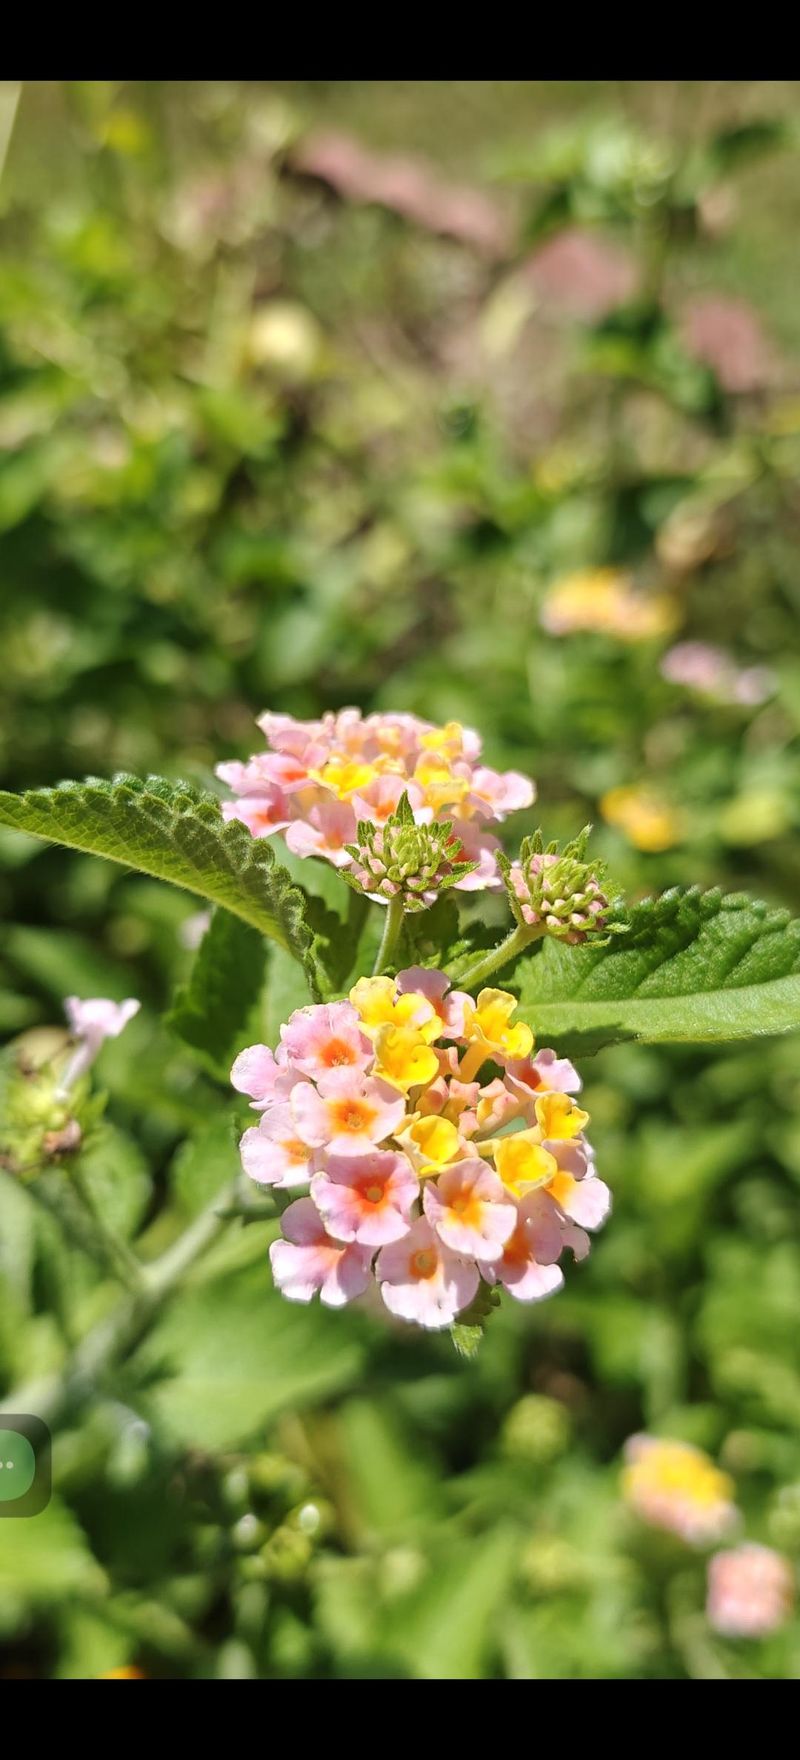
column 404, row 1058
column 522, row 1163
column 558, row 1116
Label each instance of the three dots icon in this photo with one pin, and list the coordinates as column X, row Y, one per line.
column 24, row 1465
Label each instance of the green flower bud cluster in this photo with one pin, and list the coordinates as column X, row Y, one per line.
column 405, row 860
column 36, row 1125
column 558, row 892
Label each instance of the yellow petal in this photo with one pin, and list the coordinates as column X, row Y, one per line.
column 559, row 1117
column 431, row 1143
column 373, row 998
column 403, row 1058
column 522, row 1163
column 343, row 777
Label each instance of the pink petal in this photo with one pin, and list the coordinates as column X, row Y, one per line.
column 348, row 1278
column 589, row 1203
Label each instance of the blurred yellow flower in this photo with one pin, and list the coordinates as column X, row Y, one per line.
column 676, row 1486
column 647, row 821
column 285, row 337
column 605, row 600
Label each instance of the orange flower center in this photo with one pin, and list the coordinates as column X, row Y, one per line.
column 337, row 1054
column 467, row 1207
column 354, row 1115
column 423, row 1263
column 373, row 1194
column 296, row 1150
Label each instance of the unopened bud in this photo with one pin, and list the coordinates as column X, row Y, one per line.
column 559, row 891
column 401, row 858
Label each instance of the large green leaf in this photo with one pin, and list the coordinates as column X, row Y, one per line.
column 174, row 832
column 444, row 1630
column 693, row 966
column 231, row 1354
column 45, row 1561
column 211, row 1012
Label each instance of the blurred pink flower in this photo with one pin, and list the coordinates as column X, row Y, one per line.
column 91, row 1022
column 702, row 667
column 726, row 334
column 675, row 1486
column 581, row 275
column 751, row 1591
column 409, row 186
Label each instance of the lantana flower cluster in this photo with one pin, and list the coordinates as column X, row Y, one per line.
column 607, row 601
column 319, row 780
column 750, row 1589
column 675, row 1486
column 441, row 1153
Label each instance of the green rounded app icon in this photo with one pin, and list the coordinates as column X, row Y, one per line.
column 17, row 1465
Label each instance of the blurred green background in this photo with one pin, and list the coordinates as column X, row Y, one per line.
column 316, row 393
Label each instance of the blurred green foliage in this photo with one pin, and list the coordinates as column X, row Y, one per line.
column 263, row 444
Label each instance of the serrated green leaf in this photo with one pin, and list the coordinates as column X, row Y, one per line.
column 210, row 1013
column 693, row 966
column 176, row 833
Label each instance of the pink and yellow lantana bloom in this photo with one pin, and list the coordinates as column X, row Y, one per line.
column 318, row 779
column 440, row 1155
column 438, row 1149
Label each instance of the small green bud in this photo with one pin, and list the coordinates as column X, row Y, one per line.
column 549, row 1566
column 37, row 1124
column 287, row 1554
column 401, row 858
column 784, row 1518
column 536, row 1430
column 558, row 892
column 249, row 1534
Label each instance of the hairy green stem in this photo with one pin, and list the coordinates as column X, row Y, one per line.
column 78, row 1228
column 391, row 932
column 117, row 1334
column 518, row 938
